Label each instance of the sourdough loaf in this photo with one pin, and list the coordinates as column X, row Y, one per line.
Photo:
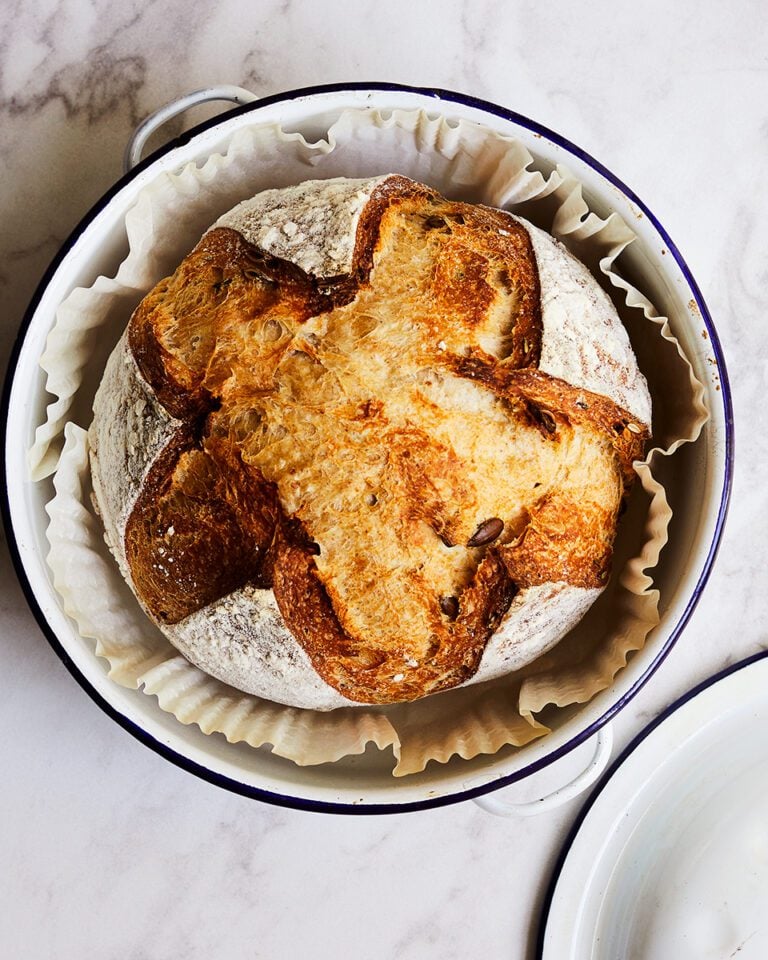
column 367, row 444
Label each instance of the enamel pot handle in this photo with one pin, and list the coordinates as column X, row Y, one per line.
column 147, row 127
column 498, row 803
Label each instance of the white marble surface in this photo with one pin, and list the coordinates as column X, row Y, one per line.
column 108, row 851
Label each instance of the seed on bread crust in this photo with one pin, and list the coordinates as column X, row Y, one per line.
column 488, row 531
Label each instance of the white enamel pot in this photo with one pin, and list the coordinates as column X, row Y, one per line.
column 364, row 784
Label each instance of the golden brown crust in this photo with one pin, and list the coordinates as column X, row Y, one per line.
column 201, row 528
column 372, row 674
column 550, row 404
column 393, row 574
column 223, row 280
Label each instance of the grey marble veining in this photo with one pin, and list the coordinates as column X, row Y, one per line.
column 106, row 849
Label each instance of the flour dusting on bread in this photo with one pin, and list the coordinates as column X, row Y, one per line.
column 313, row 228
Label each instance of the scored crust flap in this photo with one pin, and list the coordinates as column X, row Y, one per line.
column 463, row 161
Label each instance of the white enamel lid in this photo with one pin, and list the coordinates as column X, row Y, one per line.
column 669, row 858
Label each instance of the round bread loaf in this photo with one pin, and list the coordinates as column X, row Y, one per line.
column 367, row 444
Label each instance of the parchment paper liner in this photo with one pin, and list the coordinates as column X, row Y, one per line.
column 465, row 161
